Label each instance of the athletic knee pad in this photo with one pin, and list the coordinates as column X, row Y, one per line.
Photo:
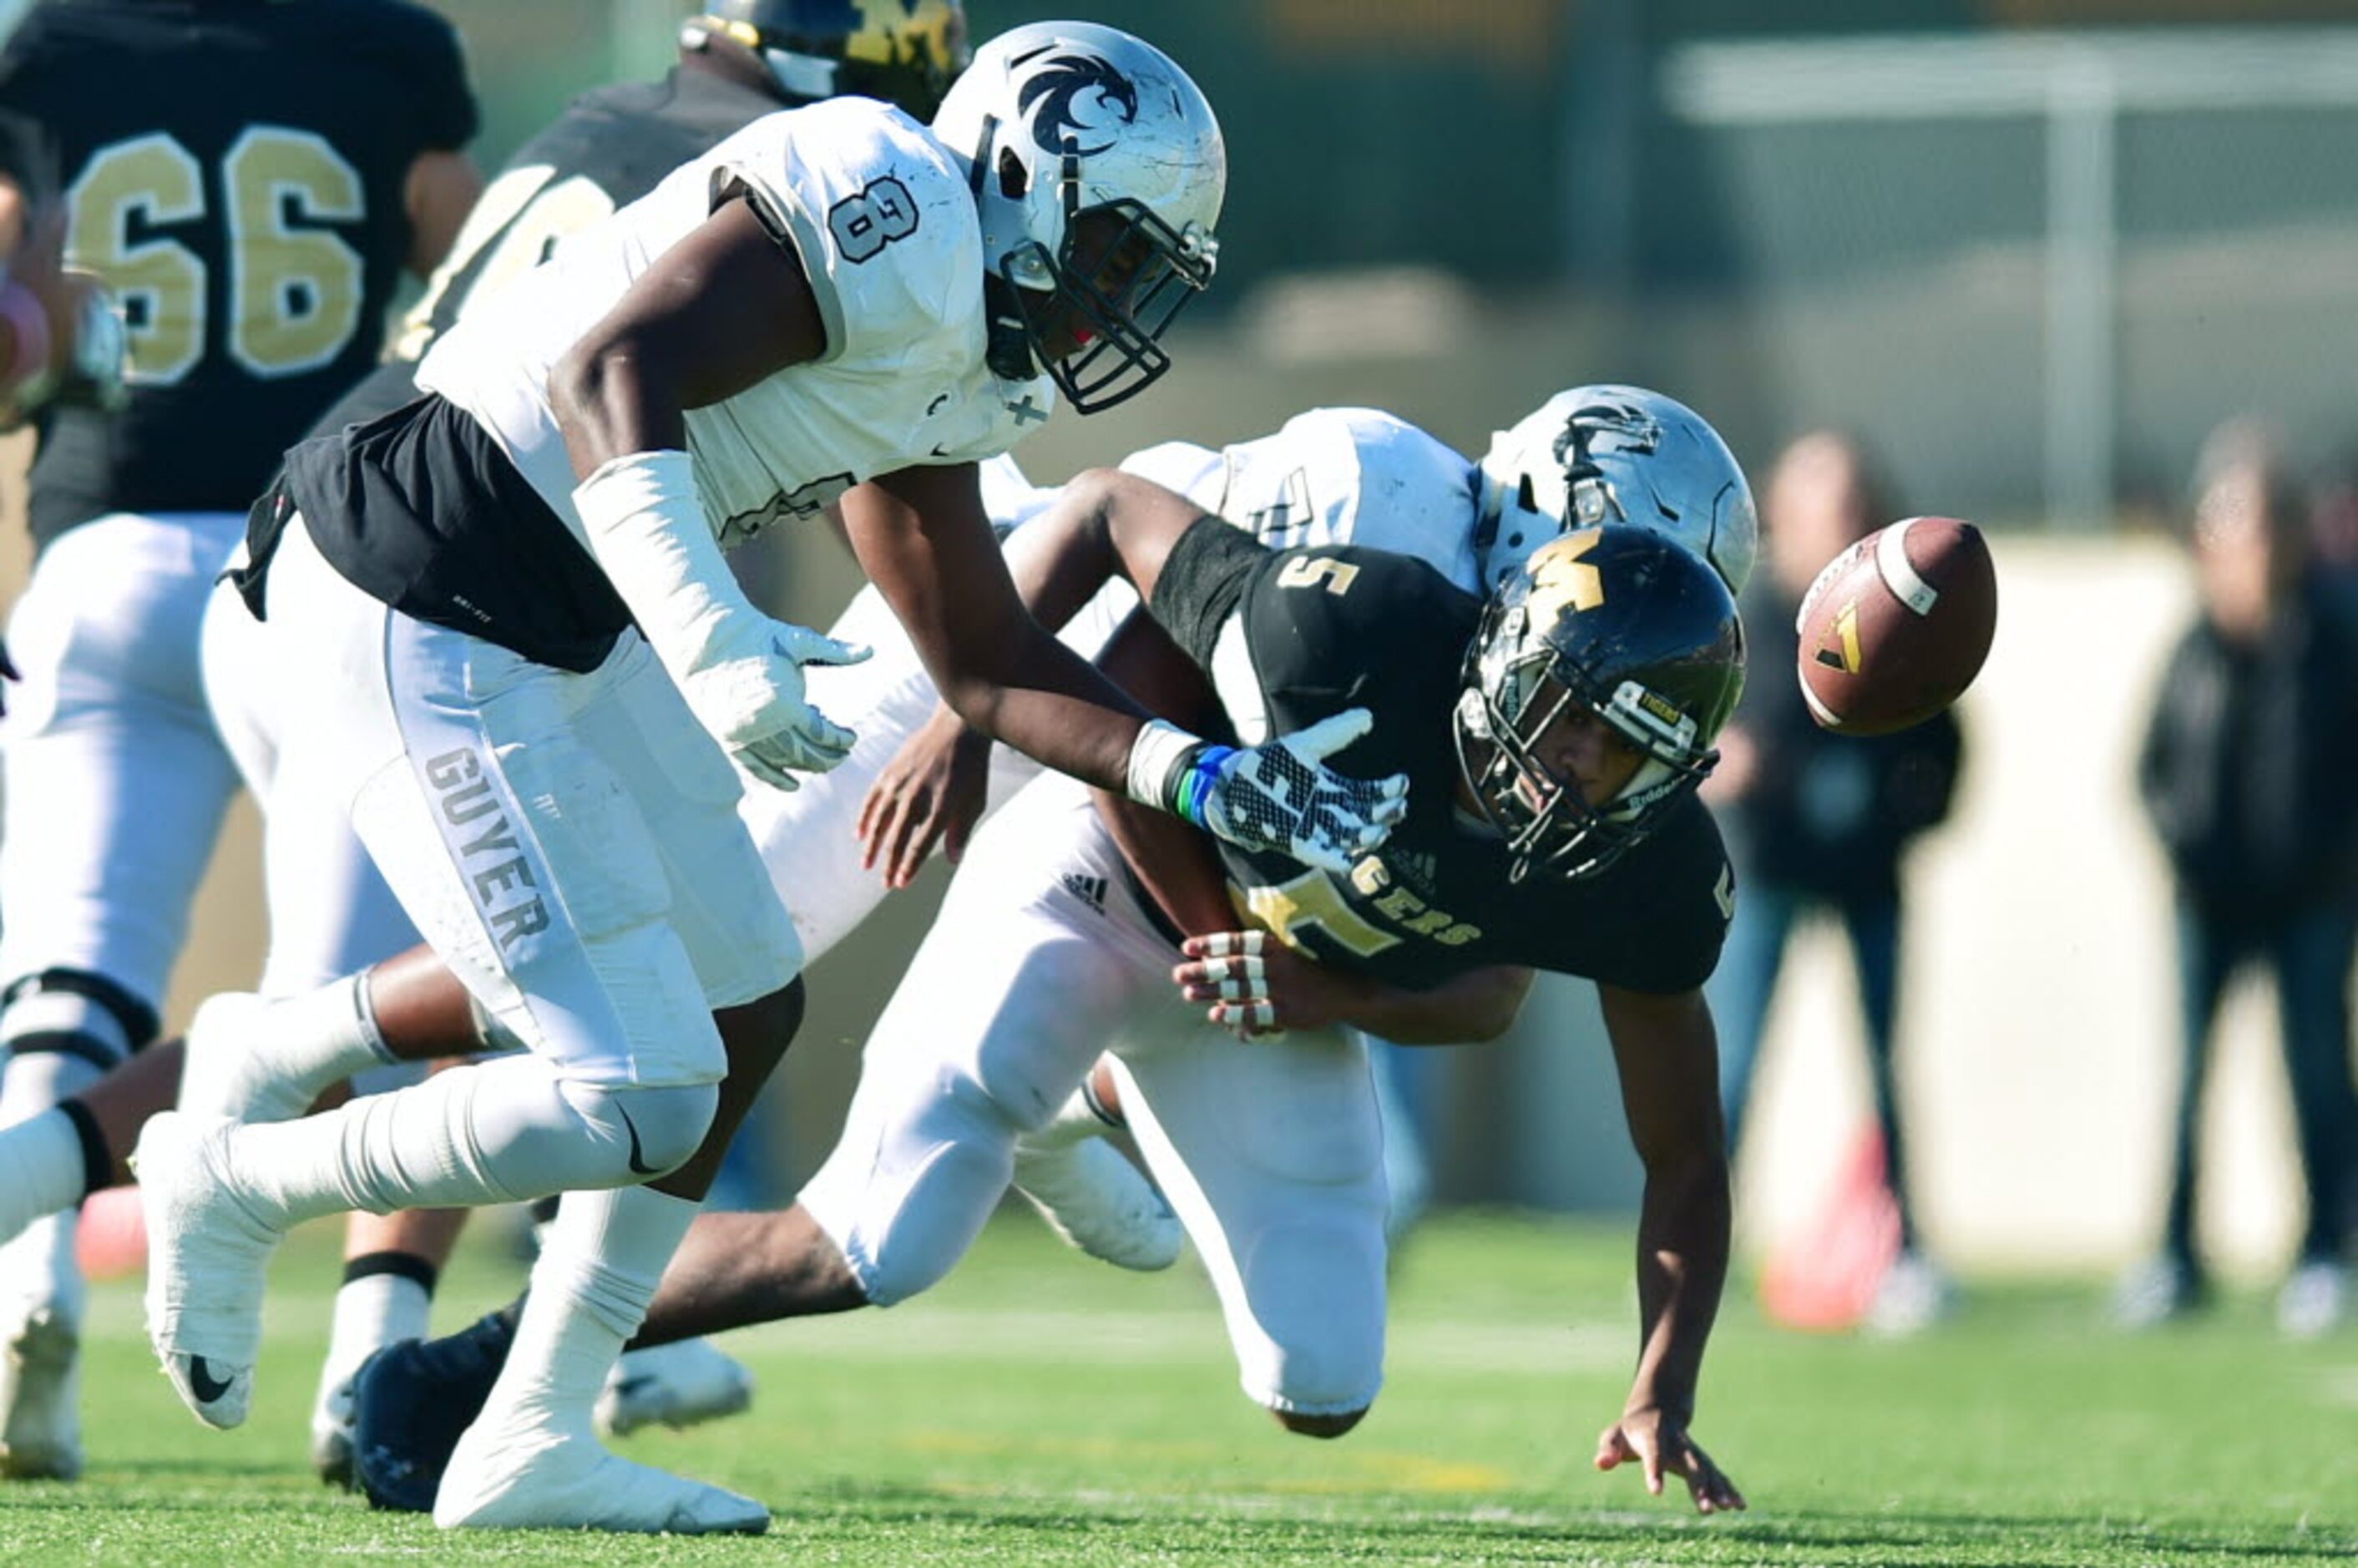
column 658, row 1127
column 902, row 1202
column 510, row 1130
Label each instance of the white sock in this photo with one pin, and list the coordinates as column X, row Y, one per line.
column 40, row 1170
column 315, row 1040
column 496, row 1132
column 38, row 1266
column 373, row 1312
column 598, row 1271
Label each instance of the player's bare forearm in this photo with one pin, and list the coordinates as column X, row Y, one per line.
column 1668, row 1062
column 1682, row 1245
column 1255, row 985
column 1466, row 1009
column 922, row 536
column 1176, row 863
column 1103, row 524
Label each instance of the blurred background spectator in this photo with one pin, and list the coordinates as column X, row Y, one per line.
column 2249, row 774
column 1819, row 823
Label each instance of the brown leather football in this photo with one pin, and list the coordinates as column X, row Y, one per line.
column 1896, row 627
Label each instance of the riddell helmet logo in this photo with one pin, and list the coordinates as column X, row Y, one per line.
column 1082, row 104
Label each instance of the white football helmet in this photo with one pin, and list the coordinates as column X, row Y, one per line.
column 1615, row 454
column 1065, row 120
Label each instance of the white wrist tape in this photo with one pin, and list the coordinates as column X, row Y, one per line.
column 647, row 529
column 1153, row 755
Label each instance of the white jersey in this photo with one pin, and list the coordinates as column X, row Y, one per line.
column 1330, row 476
column 1334, row 476
column 885, row 225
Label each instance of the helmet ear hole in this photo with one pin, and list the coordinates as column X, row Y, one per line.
column 1531, row 501
column 1013, row 181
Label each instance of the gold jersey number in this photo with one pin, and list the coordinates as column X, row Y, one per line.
column 294, row 289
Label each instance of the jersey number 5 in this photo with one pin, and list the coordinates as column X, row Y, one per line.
column 294, row 289
column 1309, row 572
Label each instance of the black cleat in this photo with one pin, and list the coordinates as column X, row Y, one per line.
column 412, row 1401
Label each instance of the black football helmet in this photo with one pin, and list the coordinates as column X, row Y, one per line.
column 1623, row 622
column 906, row 52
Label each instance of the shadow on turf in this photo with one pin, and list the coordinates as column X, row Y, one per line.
column 2062, row 1541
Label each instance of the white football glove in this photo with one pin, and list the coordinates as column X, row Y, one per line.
column 753, row 702
column 740, row 672
column 1278, row 796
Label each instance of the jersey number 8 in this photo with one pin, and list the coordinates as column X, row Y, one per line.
column 295, row 292
column 869, row 219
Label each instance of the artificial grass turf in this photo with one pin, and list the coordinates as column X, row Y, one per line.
column 1040, row 1408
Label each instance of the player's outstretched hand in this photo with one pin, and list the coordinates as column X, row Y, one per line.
column 755, row 706
column 1659, row 1444
column 1281, row 795
column 932, row 792
column 1258, row 987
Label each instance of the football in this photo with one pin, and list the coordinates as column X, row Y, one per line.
column 1896, row 627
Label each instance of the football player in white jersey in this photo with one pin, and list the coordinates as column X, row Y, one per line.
column 506, row 606
column 1269, row 1153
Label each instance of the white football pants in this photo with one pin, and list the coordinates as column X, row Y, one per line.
column 116, row 782
column 1270, row 1152
column 569, row 843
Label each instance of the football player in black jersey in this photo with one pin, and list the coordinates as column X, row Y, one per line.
column 250, row 181
column 1553, row 825
column 1556, row 735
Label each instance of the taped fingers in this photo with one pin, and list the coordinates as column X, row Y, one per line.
column 1242, row 978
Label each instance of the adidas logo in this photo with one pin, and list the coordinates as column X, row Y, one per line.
column 1090, row 891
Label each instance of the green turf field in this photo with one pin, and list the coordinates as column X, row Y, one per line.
column 1043, row 1409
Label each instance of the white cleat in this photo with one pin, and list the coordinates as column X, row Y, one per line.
column 1098, row 1201
column 217, row 1075
column 206, row 1257
column 1914, row 1296
column 682, row 1384
column 332, row 1415
column 41, row 1396
column 541, row 1479
column 2314, row 1300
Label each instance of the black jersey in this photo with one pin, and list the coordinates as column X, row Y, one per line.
column 1333, row 627
column 235, row 171
column 610, row 148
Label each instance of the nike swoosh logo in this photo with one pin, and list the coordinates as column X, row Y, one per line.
column 204, row 1384
column 639, row 1166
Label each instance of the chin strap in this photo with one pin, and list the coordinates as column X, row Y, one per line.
column 1007, row 344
